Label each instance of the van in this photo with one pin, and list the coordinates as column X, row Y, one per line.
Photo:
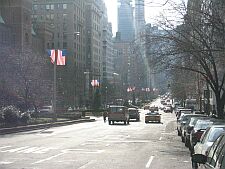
column 118, row 113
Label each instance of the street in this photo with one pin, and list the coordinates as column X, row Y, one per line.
column 97, row 145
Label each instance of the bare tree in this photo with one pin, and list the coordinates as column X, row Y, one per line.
column 198, row 45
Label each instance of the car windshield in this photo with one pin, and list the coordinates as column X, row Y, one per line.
column 215, row 133
column 116, row 109
column 202, row 125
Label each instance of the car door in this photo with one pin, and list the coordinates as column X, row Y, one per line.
column 199, row 146
column 215, row 154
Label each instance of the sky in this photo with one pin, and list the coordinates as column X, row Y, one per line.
column 153, row 8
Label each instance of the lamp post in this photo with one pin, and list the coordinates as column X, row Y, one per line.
column 114, row 83
column 75, row 34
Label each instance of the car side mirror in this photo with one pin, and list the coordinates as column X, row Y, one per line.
column 199, row 158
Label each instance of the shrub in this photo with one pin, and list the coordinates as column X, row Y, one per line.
column 25, row 117
column 10, row 114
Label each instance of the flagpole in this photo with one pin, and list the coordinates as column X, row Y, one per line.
column 54, row 87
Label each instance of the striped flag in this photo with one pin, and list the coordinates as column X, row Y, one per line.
column 61, row 59
column 51, row 53
column 61, row 56
column 95, row 83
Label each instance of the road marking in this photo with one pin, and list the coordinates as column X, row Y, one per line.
column 49, row 158
column 83, row 151
column 5, row 162
column 14, row 150
column 5, row 147
column 87, row 164
column 160, row 138
column 149, row 162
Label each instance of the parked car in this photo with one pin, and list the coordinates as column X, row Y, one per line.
column 197, row 132
column 118, row 113
column 146, row 107
column 180, row 121
column 208, row 138
column 181, row 112
column 134, row 114
column 215, row 158
column 46, row 110
column 152, row 116
column 185, row 119
column 189, row 127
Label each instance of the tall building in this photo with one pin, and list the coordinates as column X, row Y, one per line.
column 67, row 19
column 139, row 17
column 17, row 15
column 94, row 27
column 126, row 20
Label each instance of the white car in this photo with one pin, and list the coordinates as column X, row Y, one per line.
column 208, row 138
column 46, row 110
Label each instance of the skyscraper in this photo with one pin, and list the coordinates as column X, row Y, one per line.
column 125, row 20
column 139, row 17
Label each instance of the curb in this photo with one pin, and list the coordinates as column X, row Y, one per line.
column 41, row 126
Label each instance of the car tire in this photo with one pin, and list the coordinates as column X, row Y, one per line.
column 124, row 122
column 178, row 133
column 109, row 122
column 128, row 122
column 182, row 139
column 194, row 165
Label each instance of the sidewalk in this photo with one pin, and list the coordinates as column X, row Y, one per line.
column 41, row 126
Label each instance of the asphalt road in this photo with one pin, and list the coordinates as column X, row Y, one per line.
column 97, row 145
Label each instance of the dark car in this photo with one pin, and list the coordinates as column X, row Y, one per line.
column 189, row 127
column 134, row 114
column 199, row 128
column 215, row 158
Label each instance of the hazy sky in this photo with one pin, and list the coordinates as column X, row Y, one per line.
column 153, row 8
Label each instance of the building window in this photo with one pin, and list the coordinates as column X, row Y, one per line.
column 64, row 6
column 48, row 45
column 52, row 6
column 26, row 38
column 64, row 45
column 64, row 26
column 47, row 7
column 58, row 44
column 65, row 16
column 64, row 36
column 53, row 45
column 52, row 16
column 35, row 7
column 48, row 17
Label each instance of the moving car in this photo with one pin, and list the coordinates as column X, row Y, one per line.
column 215, row 158
column 153, row 116
column 118, row 113
column 134, row 114
column 168, row 109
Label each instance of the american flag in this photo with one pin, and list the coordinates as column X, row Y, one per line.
column 61, row 59
column 61, row 56
column 51, row 53
column 95, row 83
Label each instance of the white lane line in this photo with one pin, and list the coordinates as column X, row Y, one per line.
column 160, row 138
column 87, row 164
column 5, row 162
column 49, row 158
column 149, row 161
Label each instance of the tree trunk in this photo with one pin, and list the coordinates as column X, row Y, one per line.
column 220, row 106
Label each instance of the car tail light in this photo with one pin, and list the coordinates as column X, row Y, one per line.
column 198, row 134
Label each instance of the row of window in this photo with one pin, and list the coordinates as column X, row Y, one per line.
column 50, row 6
column 49, row 16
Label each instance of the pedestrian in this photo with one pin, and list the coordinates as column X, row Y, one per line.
column 104, row 116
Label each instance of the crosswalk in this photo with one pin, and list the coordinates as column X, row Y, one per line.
column 26, row 149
